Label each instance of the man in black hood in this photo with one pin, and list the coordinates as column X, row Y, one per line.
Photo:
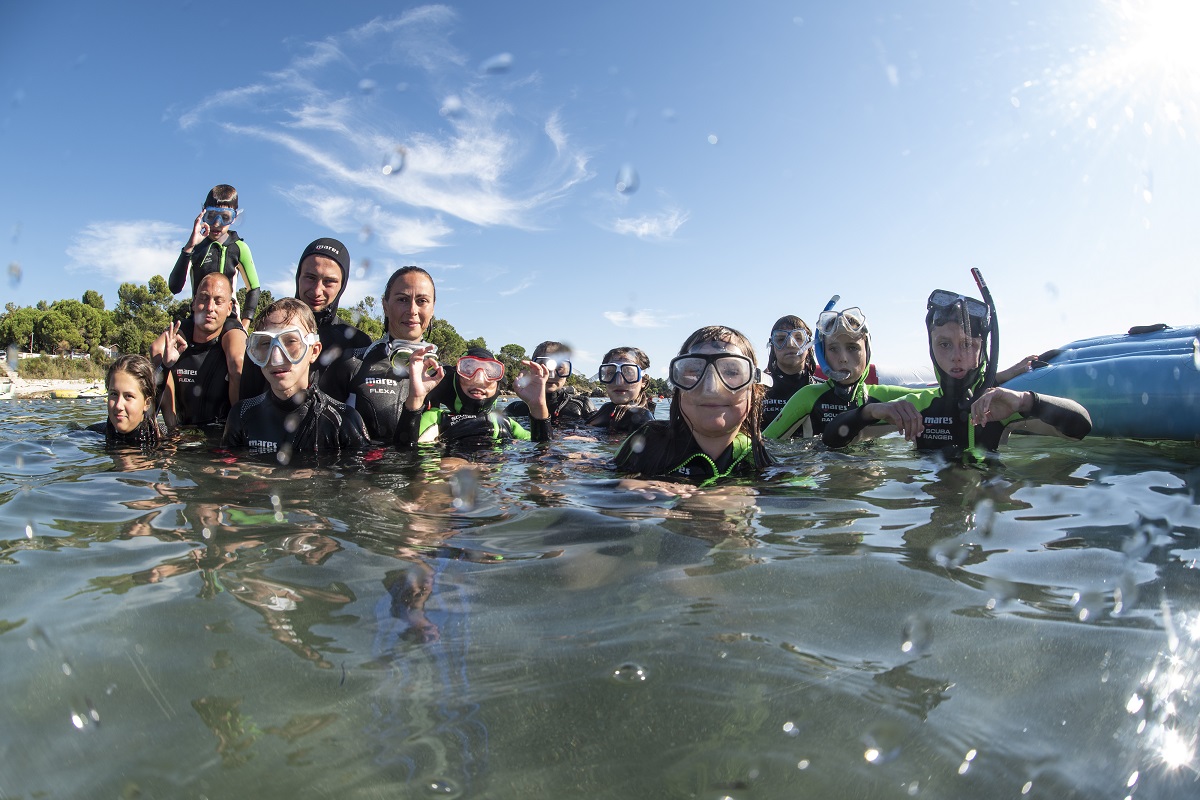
column 321, row 276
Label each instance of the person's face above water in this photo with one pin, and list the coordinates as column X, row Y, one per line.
column 409, row 306
column 320, row 281
column 478, row 386
column 127, row 405
column 284, row 377
column 621, row 391
column 790, row 355
column 847, row 358
column 710, row 408
column 955, row 352
column 211, row 305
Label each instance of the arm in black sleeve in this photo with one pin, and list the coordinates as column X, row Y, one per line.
column 408, row 429
column 1066, row 416
column 251, row 303
column 845, row 427
column 539, row 429
column 179, row 272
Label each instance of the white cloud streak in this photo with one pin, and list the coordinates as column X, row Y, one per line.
column 659, row 227
column 127, row 251
column 485, row 159
column 641, row 318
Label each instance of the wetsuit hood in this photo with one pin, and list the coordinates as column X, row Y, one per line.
column 463, row 402
column 336, row 251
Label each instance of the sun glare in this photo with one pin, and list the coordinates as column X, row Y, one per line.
column 1162, row 35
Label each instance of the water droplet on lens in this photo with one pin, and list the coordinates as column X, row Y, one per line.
column 627, row 179
column 629, row 673
column 950, row 553
column 441, row 787
column 550, row 364
column 365, row 234
column 669, row 115
column 501, row 62
column 363, row 268
column 14, row 273
column 985, row 517
column 452, row 106
column 712, row 138
column 30, row 530
column 1087, row 605
column 464, row 484
column 791, row 729
column 884, row 742
column 638, row 444
column 13, row 354
column 999, row 591
column 393, row 163
column 284, row 456
column 366, row 86
column 917, row 636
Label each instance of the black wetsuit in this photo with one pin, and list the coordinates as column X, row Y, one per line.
column 566, row 406
column 632, row 418
column 224, row 257
column 663, row 449
column 455, row 419
column 308, row 422
column 145, row 436
column 947, row 420
column 364, row 380
column 783, row 386
column 202, row 377
column 336, row 338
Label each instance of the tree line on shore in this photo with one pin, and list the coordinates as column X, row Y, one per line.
column 85, row 326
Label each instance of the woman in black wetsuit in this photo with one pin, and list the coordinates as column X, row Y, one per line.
column 293, row 415
column 566, row 405
column 374, row 379
column 131, row 407
column 716, row 414
column 791, row 363
column 629, row 407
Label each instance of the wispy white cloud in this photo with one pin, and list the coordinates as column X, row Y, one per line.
column 661, row 226
column 486, row 158
column 520, row 287
column 126, row 251
column 641, row 318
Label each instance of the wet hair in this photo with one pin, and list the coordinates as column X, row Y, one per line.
column 752, row 424
column 397, row 275
column 222, row 195
column 290, row 308
column 549, row 348
column 140, row 369
column 790, row 322
column 643, row 361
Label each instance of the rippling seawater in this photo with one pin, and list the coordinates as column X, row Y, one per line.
column 870, row 624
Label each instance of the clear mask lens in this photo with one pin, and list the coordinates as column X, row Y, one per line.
column 469, row 366
column 630, row 373
column 219, row 217
column 734, row 371
column 292, row 343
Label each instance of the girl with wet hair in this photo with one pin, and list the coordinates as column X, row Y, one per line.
column 625, row 379
column 131, row 404
column 716, row 413
column 791, row 363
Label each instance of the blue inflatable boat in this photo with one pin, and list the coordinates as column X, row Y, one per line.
column 1141, row 385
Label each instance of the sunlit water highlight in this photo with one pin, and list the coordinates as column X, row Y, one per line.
column 868, row 624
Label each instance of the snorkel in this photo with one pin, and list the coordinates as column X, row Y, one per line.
column 989, row 377
column 819, row 340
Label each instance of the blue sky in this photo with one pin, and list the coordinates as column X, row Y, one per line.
column 776, row 153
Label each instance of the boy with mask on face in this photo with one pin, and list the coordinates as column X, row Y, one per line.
column 964, row 416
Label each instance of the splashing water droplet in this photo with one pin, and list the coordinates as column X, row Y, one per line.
column 627, row 179
column 393, row 163
column 452, row 106
column 985, row 517
column 30, row 530
column 791, row 729
column 1016, row 101
column 366, row 86
column 712, row 138
column 501, row 62
column 13, row 354
column 630, row 673
column 950, row 553
column 366, row 234
column 14, row 273
column 284, row 456
column 638, row 444
column 363, row 268
column 1000, row 591
column 1087, row 605
column 917, row 636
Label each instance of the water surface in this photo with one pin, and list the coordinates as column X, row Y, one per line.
column 870, row 624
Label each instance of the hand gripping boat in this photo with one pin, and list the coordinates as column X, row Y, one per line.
column 1141, row 385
